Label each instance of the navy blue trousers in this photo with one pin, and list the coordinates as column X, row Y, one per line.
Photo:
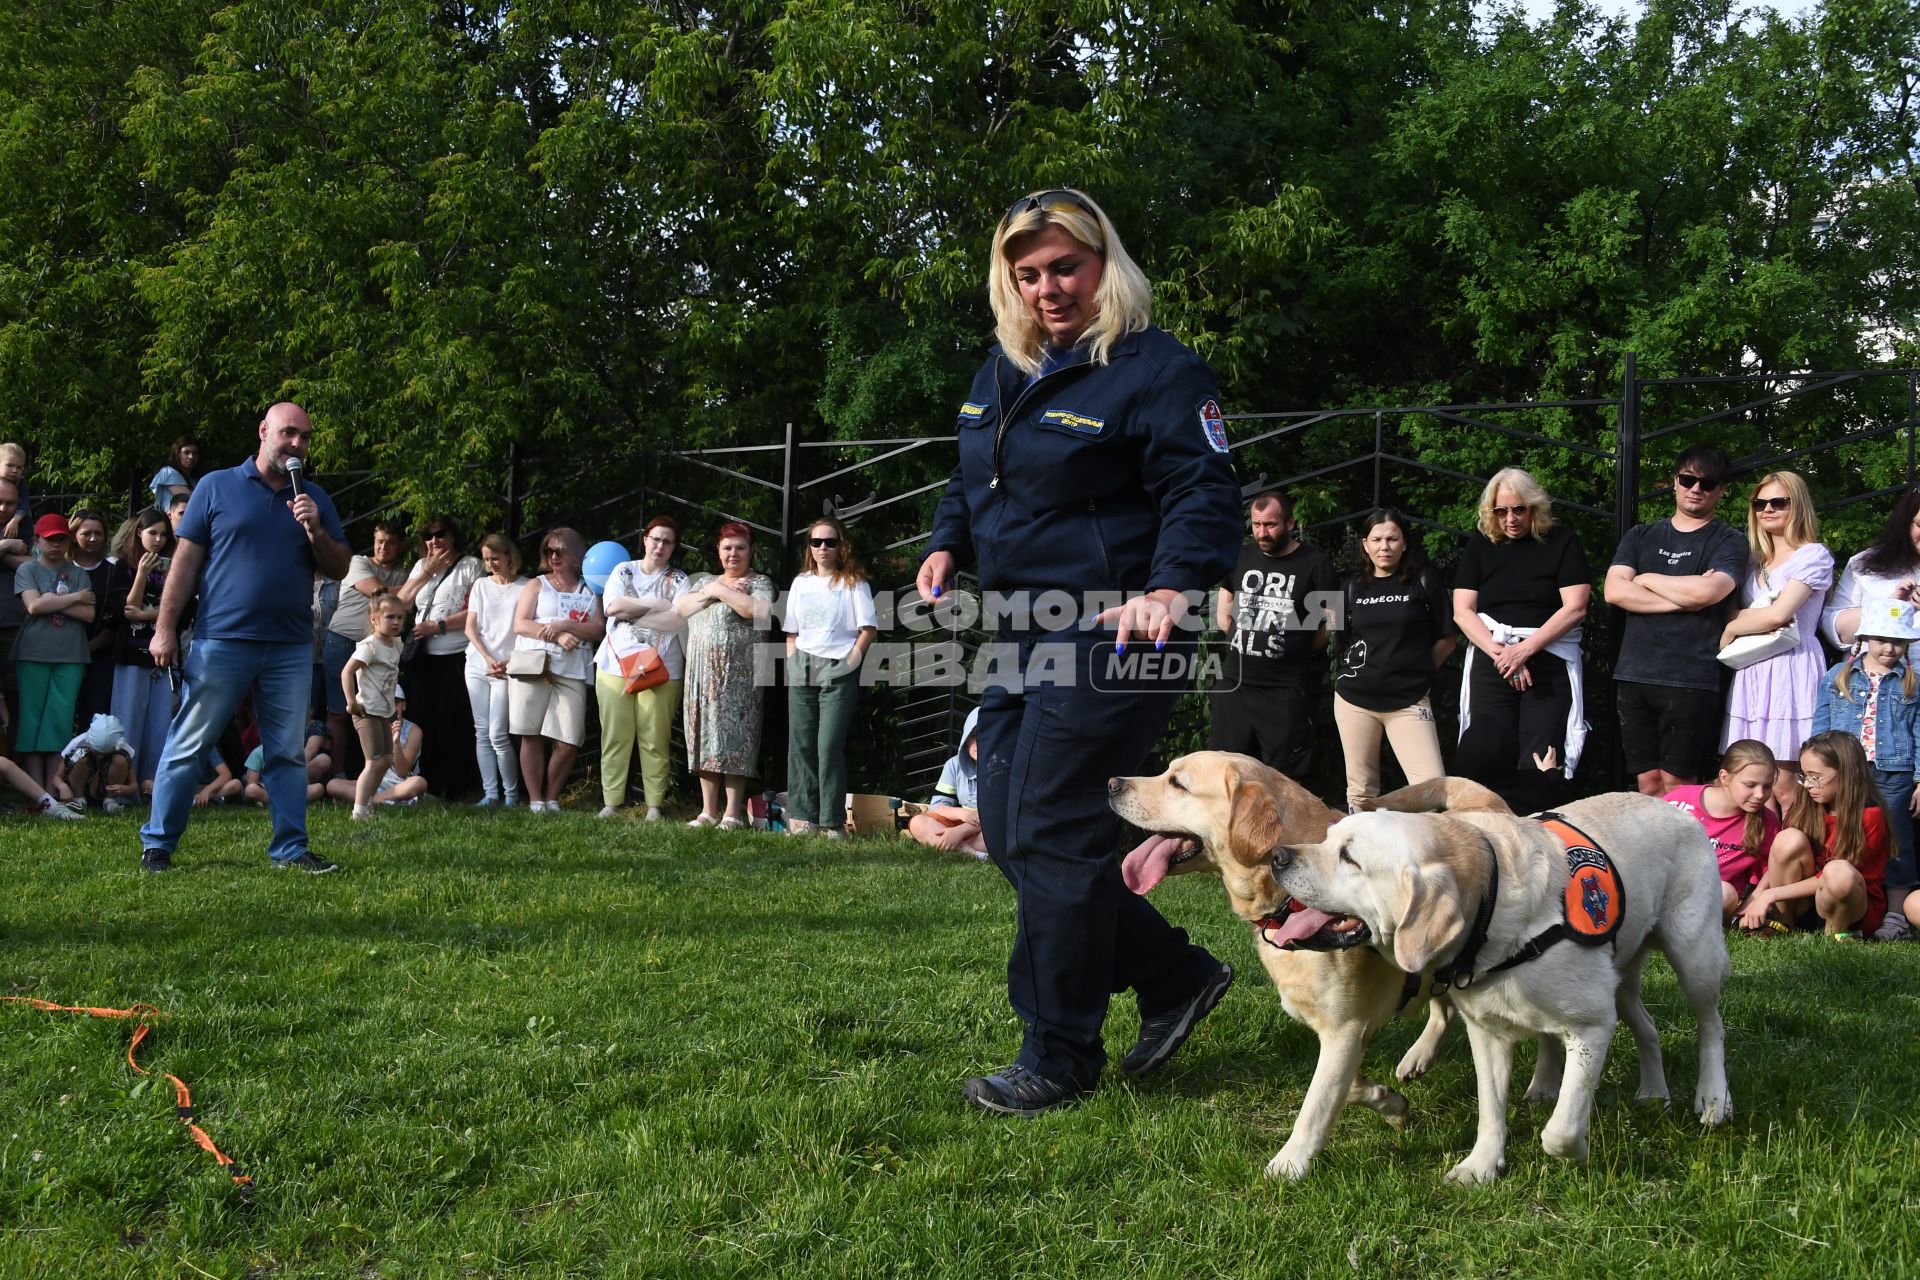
column 1046, row 752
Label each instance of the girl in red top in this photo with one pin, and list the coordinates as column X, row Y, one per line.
column 1839, row 885
column 1733, row 809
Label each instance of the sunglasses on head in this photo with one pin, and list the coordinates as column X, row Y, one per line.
column 1044, row 200
column 1772, row 504
column 1687, row 480
column 824, row 542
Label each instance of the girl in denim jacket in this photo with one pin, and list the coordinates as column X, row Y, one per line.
column 1874, row 694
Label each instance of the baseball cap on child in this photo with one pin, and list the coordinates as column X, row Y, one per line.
column 1889, row 619
column 52, row 525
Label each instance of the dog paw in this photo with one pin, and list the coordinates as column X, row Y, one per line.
column 1649, row 1097
column 1288, row 1165
column 1416, row 1063
column 1473, row 1172
column 1714, row 1110
column 1564, row 1146
column 1542, row 1095
column 1394, row 1109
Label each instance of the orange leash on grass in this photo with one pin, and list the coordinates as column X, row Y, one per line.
column 183, row 1100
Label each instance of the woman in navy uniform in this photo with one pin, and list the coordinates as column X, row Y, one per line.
column 1093, row 462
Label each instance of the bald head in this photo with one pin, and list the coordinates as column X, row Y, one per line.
column 284, row 433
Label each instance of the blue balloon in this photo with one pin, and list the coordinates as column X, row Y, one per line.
column 602, row 559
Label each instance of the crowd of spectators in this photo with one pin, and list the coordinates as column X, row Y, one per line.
column 1743, row 661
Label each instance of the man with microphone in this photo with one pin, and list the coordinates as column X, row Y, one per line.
column 249, row 542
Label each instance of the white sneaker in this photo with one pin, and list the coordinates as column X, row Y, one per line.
column 654, row 815
column 51, row 808
column 112, row 805
column 608, row 811
column 361, row 813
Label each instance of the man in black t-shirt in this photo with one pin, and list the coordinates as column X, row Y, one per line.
column 1672, row 577
column 1276, row 610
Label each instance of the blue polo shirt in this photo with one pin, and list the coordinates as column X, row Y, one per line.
column 258, row 579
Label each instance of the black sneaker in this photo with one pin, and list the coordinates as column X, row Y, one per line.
column 309, row 863
column 156, row 860
column 1161, row 1034
column 1016, row 1091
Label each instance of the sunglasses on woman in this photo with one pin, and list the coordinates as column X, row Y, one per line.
column 1044, row 200
column 824, row 542
column 1772, row 504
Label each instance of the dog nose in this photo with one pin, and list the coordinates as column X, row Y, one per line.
column 1116, row 785
column 1282, row 856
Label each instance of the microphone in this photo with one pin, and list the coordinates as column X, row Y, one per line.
column 296, row 470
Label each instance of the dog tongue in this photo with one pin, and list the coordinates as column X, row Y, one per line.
column 1147, row 865
column 1303, row 923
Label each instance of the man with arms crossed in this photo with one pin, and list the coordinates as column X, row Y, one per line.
column 250, row 547
column 1672, row 577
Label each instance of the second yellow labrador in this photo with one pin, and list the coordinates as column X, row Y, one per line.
column 1539, row 928
column 1225, row 813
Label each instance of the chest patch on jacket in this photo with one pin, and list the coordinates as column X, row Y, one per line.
column 1074, row 421
column 1595, row 901
column 1213, row 424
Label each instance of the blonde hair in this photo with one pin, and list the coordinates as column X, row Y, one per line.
column 1741, row 755
column 385, row 601
column 1521, row 482
column 14, row 452
column 501, row 545
column 1803, row 526
column 1123, row 303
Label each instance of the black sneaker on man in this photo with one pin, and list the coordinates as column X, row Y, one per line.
column 1017, row 1091
column 310, row 863
column 156, row 860
column 1162, row 1033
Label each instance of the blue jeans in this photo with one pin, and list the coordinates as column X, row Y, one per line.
column 218, row 673
column 1896, row 788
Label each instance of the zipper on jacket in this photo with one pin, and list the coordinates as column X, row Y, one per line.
column 1000, row 429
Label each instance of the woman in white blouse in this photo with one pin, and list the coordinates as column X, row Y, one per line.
column 638, row 601
column 558, row 616
column 830, row 623
column 490, row 608
column 1889, row 569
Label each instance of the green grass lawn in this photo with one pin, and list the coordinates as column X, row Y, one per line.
column 509, row 1045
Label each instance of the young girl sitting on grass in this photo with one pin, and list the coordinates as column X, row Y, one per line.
column 1837, row 884
column 402, row 783
column 370, row 678
column 1875, row 696
column 1733, row 809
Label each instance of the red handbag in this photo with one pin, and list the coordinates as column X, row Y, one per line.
column 643, row 669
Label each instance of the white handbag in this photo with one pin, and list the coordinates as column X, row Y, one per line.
column 1746, row 651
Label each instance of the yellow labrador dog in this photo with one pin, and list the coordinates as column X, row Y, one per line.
column 1539, row 928
column 1225, row 813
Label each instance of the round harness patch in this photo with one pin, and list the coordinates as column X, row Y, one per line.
column 1595, row 902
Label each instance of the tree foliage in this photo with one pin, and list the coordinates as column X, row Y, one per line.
column 592, row 231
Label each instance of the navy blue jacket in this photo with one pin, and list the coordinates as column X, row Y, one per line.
column 1094, row 477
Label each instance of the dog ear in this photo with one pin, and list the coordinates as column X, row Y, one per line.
column 1253, row 820
column 1430, row 919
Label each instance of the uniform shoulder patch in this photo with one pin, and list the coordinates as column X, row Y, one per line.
column 1213, row 424
column 971, row 410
